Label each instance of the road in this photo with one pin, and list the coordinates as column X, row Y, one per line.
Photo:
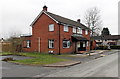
column 101, row 67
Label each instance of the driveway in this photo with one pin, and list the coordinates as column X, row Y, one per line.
column 15, row 57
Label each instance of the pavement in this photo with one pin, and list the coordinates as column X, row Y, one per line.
column 63, row 64
column 81, row 58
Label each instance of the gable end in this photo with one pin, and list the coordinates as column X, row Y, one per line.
column 40, row 15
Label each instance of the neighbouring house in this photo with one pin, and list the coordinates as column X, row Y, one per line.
column 52, row 33
column 112, row 40
column 5, row 45
column 12, row 44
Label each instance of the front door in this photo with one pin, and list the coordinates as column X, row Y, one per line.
column 81, row 46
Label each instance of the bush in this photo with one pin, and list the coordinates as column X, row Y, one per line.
column 115, row 47
column 106, row 47
column 102, row 48
column 8, row 59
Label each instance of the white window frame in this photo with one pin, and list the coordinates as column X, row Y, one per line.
column 67, row 42
column 50, row 43
column 84, row 44
column 74, row 30
column 28, row 43
column 87, row 44
column 66, row 28
column 79, row 30
column 51, row 27
column 86, row 31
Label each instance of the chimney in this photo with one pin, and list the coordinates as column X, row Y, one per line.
column 78, row 20
column 44, row 8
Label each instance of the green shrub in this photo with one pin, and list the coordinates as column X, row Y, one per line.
column 102, row 47
column 106, row 47
column 7, row 59
column 115, row 47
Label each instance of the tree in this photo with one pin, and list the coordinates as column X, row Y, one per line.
column 93, row 20
column 16, row 41
column 105, row 31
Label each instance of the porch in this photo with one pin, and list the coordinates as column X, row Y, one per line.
column 81, row 43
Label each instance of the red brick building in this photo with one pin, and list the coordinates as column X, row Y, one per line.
column 112, row 40
column 52, row 33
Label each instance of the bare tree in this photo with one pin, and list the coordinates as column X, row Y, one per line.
column 93, row 20
column 16, row 40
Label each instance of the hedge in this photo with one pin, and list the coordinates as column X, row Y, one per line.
column 106, row 47
column 115, row 47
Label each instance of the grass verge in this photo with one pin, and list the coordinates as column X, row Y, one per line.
column 5, row 53
column 40, row 59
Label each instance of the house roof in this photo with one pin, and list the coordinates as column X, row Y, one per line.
column 26, row 35
column 66, row 20
column 60, row 19
column 107, row 37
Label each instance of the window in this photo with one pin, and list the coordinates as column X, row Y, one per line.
column 66, row 44
column 51, row 44
column 87, row 44
column 86, row 32
column 74, row 30
column 28, row 43
column 65, row 28
column 84, row 44
column 79, row 31
column 51, row 27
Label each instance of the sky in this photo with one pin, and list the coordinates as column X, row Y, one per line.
column 17, row 15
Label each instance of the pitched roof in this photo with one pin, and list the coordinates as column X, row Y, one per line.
column 61, row 19
column 107, row 37
column 66, row 20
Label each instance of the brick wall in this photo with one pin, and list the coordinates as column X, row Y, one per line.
column 88, row 37
column 40, row 36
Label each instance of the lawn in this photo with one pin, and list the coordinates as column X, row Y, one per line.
column 40, row 59
column 6, row 53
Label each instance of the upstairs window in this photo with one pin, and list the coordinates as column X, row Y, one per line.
column 65, row 28
column 79, row 31
column 50, row 43
column 51, row 27
column 28, row 43
column 74, row 30
column 66, row 44
column 86, row 32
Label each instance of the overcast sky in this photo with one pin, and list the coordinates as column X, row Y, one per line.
column 17, row 15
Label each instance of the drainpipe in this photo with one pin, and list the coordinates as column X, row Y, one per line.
column 75, row 48
column 38, row 44
column 59, row 38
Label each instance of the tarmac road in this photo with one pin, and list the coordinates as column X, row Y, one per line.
column 102, row 67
